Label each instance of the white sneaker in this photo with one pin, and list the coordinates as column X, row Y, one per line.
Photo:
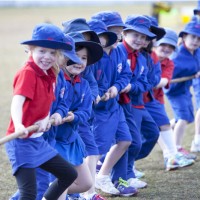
column 138, row 174
column 105, row 184
column 195, row 147
column 136, row 183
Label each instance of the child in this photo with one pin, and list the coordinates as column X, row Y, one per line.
column 33, row 95
column 112, row 74
column 68, row 141
column 186, row 63
column 134, row 37
column 163, row 49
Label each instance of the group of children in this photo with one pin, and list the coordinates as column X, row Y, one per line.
column 101, row 82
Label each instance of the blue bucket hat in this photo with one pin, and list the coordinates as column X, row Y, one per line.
column 193, row 27
column 158, row 31
column 140, row 24
column 170, row 38
column 95, row 50
column 100, row 28
column 79, row 25
column 110, row 18
column 48, row 36
column 71, row 54
column 196, row 10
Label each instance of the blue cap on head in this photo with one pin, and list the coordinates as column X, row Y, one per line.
column 158, row 31
column 48, row 36
column 100, row 28
column 79, row 25
column 110, row 18
column 71, row 54
column 196, row 10
column 95, row 51
column 170, row 38
column 140, row 24
column 193, row 27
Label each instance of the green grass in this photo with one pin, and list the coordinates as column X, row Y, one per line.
column 17, row 25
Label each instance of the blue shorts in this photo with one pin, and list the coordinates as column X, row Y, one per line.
column 86, row 133
column 182, row 107
column 196, row 86
column 158, row 112
column 110, row 128
column 72, row 152
column 29, row 153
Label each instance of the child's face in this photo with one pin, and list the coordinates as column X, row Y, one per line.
column 44, row 58
column 76, row 69
column 134, row 39
column 103, row 40
column 164, row 51
column 118, row 31
column 192, row 42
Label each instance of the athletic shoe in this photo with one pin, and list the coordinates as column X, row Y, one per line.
column 136, row 183
column 186, row 154
column 15, row 196
column 138, row 174
column 75, row 196
column 195, row 147
column 105, row 185
column 97, row 197
column 124, row 189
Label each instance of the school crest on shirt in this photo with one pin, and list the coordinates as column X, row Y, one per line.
column 62, row 91
column 119, row 68
column 82, row 97
column 142, row 69
column 54, row 87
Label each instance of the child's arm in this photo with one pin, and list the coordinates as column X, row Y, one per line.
column 16, row 114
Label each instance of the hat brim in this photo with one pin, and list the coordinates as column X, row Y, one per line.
column 120, row 25
column 112, row 37
column 93, row 35
column 158, row 31
column 188, row 32
column 144, row 31
column 95, row 51
column 48, row 44
column 72, row 56
column 167, row 41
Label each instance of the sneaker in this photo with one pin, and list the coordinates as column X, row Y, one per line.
column 124, row 189
column 136, row 183
column 182, row 161
column 75, row 196
column 105, row 185
column 195, row 147
column 97, row 197
column 138, row 174
column 186, row 154
column 171, row 164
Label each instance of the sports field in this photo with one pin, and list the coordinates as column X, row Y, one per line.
column 16, row 24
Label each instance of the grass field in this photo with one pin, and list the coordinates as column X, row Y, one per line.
column 16, row 25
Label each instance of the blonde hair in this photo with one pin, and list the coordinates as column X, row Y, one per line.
column 55, row 68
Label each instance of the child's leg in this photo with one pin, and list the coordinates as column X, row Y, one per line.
column 197, row 127
column 83, row 181
column 26, row 181
column 179, row 131
column 65, row 173
column 115, row 153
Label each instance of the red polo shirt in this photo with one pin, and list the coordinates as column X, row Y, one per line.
column 38, row 88
column 167, row 67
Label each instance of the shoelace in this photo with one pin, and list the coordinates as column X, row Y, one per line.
column 123, row 182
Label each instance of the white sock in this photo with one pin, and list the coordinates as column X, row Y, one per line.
column 167, row 143
column 197, row 138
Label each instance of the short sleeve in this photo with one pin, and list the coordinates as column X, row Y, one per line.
column 24, row 83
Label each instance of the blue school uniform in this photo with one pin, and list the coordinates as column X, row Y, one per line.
column 109, row 118
column 136, row 114
column 178, row 94
column 67, row 137
column 85, row 129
